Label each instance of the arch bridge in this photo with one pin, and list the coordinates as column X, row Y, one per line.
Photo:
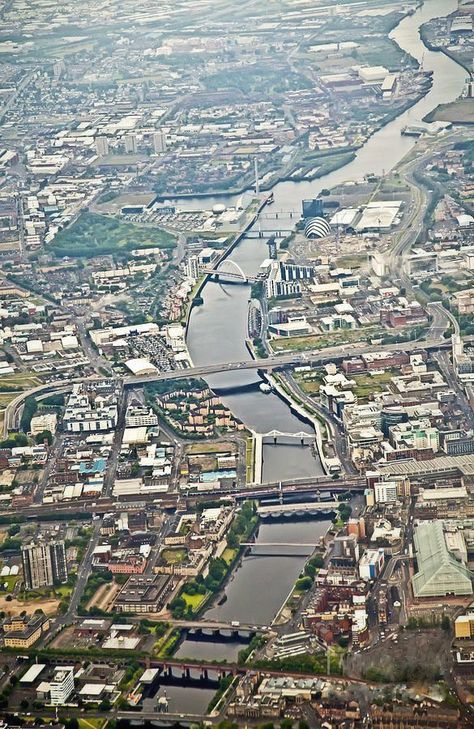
column 236, row 275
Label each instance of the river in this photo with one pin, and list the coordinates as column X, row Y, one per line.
column 218, row 328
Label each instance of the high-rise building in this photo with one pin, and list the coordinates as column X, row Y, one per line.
column 62, row 685
column 102, row 146
column 44, row 563
column 192, row 268
column 159, row 142
column 130, row 143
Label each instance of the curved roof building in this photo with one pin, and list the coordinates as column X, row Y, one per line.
column 317, row 228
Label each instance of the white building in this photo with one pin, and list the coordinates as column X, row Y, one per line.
column 385, row 492
column 39, row 423
column 371, row 564
column 62, row 685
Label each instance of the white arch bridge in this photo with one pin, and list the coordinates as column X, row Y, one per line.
column 236, row 274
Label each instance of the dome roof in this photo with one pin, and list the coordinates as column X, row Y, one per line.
column 317, row 228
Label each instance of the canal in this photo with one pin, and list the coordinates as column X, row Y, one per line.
column 218, row 328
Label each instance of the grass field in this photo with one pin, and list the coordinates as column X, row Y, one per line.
column 319, row 341
column 91, row 723
column 194, row 601
column 174, row 556
column 228, row 555
column 94, row 235
column 368, row 384
column 19, row 381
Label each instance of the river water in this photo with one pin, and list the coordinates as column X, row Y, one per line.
column 218, row 328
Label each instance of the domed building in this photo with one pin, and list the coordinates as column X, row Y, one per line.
column 317, row 228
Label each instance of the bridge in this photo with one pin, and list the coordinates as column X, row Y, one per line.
column 291, row 508
column 278, row 544
column 237, row 275
column 314, row 357
column 277, row 434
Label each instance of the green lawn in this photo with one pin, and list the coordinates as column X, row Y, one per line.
column 174, row 556
column 63, row 590
column 91, row 723
column 94, row 235
column 319, row 341
column 10, row 581
column 229, row 554
column 194, row 601
column 369, row 384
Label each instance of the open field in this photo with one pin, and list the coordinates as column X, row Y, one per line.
column 197, row 448
column 19, row 381
column 420, row 652
column 319, row 341
column 174, row 556
column 95, row 235
column 104, row 596
column 458, row 112
column 369, row 384
column 14, row 607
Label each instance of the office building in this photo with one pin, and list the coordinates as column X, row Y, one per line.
column 102, row 146
column 159, row 142
column 44, row 563
column 62, row 685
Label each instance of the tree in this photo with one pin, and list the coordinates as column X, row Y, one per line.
column 71, row 723
column 445, row 623
column 304, row 583
column 24, row 704
column 45, row 435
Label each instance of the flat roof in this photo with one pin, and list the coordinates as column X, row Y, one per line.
column 149, row 675
column 32, row 673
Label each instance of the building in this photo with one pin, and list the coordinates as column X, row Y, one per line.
column 160, row 142
column 192, row 268
column 24, row 631
column 44, row 563
column 130, row 144
column 40, row 423
column 102, row 146
column 386, row 492
column 464, row 301
column 139, row 416
column 464, row 626
column 143, row 594
column 439, row 572
column 62, row 685
column 457, row 443
column 371, row 564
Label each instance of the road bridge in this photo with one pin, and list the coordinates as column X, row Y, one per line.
column 308, row 507
column 315, row 357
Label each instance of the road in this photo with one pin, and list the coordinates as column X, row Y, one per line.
column 270, row 363
column 83, row 572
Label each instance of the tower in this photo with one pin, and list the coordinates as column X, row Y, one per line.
column 44, row 563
